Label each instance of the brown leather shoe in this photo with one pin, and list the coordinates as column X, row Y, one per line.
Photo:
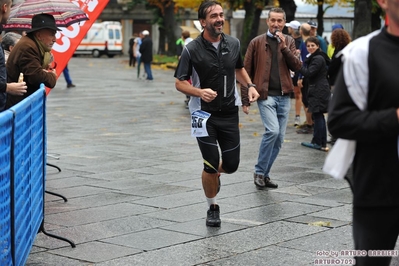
column 269, row 183
column 259, row 180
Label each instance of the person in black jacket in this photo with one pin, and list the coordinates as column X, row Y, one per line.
column 319, row 94
column 340, row 38
column 364, row 115
column 132, row 58
column 214, row 64
column 146, row 54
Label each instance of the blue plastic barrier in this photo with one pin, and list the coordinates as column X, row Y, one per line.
column 28, row 164
column 6, row 123
column 22, row 178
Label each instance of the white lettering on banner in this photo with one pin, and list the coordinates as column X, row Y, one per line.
column 63, row 37
column 92, row 5
column 68, row 38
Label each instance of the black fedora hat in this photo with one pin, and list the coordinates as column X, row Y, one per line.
column 43, row 21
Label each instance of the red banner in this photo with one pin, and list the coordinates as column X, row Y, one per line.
column 68, row 39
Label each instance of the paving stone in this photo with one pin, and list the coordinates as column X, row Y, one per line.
column 95, row 252
column 152, row 239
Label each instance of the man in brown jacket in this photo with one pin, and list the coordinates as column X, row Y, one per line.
column 268, row 61
column 31, row 56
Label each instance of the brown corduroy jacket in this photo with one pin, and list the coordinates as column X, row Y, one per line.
column 26, row 58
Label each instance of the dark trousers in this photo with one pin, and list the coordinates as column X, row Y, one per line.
column 375, row 229
column 319, row 130
column 132, row 60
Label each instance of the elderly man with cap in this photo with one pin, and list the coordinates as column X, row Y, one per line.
column 146, row 54
column 32, row 57
column 323, row 44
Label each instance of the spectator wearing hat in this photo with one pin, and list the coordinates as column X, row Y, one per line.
column 146, row 53
column 32, row 56
column 13, row 87
column 330, row 48
column 313, row 32
column 293, row 30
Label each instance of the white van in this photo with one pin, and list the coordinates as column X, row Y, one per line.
column 103, row 38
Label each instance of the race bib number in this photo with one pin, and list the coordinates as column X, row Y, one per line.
column 198, row 123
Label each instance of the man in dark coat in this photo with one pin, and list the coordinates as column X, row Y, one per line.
column 146, row 54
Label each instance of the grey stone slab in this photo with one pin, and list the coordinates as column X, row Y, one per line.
column 261, row 236
column 190, row 212
column 73, row 181
column 95, row 252
column 187, row 166
column 115, row 175
column 96, row 214
column 301, row 177
column 342, row 213
column 335, row 239
column 175, row 200
column 330, row 183
column 197, row 228
column 302, row 190
column 342, row 195
column 180, row 255
column 153, row 239
column 271, row 255
column 52, row 173
column 319, row 200
column 235, row 189
column 173, row 178
column 270, row 213
column 314, row 219
column 125, row 184
column 91, row 201
column 258, row 199
column 48, row 259
column 79, row 191
column 103, row 230
column 157, row 190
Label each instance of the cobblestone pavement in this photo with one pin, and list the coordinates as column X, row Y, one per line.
column 131, row 173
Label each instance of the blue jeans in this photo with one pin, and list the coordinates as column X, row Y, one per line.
column 274, row 113
column 66, row 75
column 319, row 130
column 147, row 68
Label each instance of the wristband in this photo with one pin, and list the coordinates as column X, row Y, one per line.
column 251, row 85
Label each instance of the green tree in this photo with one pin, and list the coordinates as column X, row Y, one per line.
column 367, row 17
column 164, row 16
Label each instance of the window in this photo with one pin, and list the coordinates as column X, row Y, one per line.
column 117, row 34
column 111, row 34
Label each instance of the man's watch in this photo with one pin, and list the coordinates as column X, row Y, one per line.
column 251, row 85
